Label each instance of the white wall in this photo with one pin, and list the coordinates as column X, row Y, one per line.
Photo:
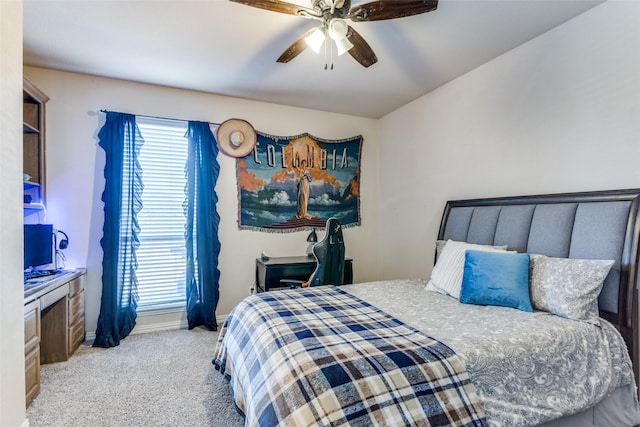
column 75, row 178
column 560, row 113
column 556, row 114
column 12, row 388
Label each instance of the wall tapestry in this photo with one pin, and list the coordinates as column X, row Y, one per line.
column 298, row 182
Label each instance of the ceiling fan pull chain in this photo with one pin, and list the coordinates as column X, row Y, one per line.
column 330, row 55
column 325, row 55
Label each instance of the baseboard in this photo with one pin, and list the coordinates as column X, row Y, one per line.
column 158, row 327
column 25, row 423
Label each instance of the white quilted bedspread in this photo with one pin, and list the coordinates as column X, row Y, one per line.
column 528, row 368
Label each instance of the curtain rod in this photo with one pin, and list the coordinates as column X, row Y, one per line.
column 102, row 110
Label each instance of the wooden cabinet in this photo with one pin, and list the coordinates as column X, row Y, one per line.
column 53, row 323
column 76, row 332
column 33, row 146
column 33, row 166
column 32, row 350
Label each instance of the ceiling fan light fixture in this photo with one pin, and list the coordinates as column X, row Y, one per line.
column 343, row 45
column 315, row 40
column 338, row 29
column 333, row 14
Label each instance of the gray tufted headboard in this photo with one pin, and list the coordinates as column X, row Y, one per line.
column 595, row 225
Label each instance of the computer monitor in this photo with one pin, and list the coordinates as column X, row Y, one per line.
column 38, row 245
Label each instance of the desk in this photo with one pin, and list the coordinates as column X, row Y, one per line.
column 269, row 272
column 53, row 323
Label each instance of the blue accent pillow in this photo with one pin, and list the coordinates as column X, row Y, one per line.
column 496, row 278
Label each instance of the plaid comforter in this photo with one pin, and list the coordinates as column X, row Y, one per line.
column 322, row 357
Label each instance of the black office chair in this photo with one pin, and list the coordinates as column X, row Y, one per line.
column 329, row 253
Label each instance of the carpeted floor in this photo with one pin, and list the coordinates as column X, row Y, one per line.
column 154, row 379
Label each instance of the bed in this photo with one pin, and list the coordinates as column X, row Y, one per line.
column 414, row 352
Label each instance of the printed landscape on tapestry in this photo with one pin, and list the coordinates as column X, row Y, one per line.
column 298, row 182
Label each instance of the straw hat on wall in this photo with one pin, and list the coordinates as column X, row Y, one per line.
column 236, row 137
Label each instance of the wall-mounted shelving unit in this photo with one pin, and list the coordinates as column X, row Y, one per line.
column 33, row 147
column 34, row 190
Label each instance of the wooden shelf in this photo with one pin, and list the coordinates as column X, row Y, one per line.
column 26, row 128
column 33, row 144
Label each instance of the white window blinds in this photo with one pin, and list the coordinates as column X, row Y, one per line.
column 161, row 255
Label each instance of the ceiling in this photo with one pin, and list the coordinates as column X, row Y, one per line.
column 226, row 48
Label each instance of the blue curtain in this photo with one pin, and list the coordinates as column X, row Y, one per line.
column 121, row 141
column 201, row 229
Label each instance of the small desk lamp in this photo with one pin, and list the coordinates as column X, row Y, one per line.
column 312, row 238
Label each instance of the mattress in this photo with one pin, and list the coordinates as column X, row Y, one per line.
column 528, row 368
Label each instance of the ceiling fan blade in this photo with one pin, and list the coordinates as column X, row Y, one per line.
column 277, row 6
column 390, row 9
column 361, row 51
column 295, row 48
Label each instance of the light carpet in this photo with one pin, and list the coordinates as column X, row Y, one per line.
column 154, row 379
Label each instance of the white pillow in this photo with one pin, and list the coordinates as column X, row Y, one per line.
column 431, row 287
column 440, row 244
column 446, row 276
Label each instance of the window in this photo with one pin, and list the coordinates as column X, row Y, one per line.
column 161, row 255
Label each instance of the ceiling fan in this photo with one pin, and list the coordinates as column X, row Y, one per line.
column 333, row 15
